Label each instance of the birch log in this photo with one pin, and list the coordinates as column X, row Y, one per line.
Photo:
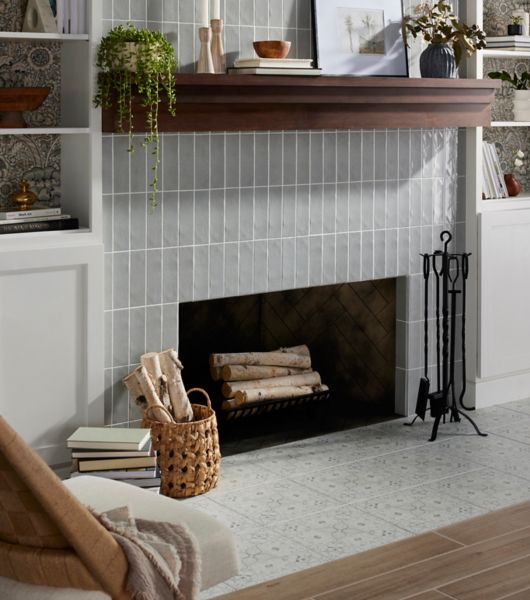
column 303, row 350
column 263, row 394
column 154, row 403
column 133, row 385
column 216, row 373
column 172, row 367
column 274, row 359
column 151, row 362
column 313, row 378
column 248, row 372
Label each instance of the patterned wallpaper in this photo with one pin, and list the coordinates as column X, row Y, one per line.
column 12, row 14
column 497, row 14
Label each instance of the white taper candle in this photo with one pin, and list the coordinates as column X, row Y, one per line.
column 216, row 9
column 203, row 13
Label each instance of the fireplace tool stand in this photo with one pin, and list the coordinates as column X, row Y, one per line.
column 450, row 273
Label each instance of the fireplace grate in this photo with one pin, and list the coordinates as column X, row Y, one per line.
column 269, row 406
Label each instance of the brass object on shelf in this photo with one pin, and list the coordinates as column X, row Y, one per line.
column 24, row 198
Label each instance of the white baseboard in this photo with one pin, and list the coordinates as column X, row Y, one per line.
column 491, row 392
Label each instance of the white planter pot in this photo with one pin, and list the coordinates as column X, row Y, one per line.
column 521, row 96
column 521, row 105
column 130, row 52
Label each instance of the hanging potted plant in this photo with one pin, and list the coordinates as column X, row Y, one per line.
column 447, row 36
column 128, row 57
column 521, row 94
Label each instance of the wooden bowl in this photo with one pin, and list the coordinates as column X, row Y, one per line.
column 15, row 101
column 272, row 48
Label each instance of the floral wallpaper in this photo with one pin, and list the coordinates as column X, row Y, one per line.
column 497, row 14
column 12, row 14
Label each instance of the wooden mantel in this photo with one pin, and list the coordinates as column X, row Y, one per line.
column 251, row 103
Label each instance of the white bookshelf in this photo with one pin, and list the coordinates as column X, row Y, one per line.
column 51, row 283
column 503, row 53
column 510, row 124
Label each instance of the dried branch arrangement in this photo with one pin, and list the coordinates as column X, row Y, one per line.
column 253, row 377
column 156, row 385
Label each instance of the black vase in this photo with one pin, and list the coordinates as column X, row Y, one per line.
column 438, row 60
column 514, row 29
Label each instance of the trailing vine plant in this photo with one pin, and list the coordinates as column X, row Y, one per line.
column 129, row 56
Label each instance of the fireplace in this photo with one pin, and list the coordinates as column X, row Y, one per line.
column 350, row 330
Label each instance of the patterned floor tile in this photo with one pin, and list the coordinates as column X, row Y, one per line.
column 215, row 591
column 233, row 520
column 522, row 406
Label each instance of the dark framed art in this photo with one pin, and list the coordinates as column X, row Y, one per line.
column 359, row 37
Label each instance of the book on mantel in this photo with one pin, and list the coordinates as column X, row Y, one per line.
column 33, row 212
column 273, row 63
column 275, row 71
column 40, row 224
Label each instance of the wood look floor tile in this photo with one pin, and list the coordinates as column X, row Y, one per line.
column 490, row 525
column 438, row 571
column 343, row 572
column 522, row 595
column 493, row 584
column 430, row 595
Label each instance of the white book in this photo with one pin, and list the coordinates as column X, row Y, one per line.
column 275, row 63
column 110, row 453
column 497, row 190
column 32, row 212
column 82, row 17
column 36, row 219
column 121, row 474
column 486, row 187
column 487, row 172
column 498, row 171
column 109, row 464
column 74, row 11
column 109, row 438
column 66, row 16
column 271, row 71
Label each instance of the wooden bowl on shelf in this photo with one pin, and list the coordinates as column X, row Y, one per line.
column 272, row 48
column 16, row 100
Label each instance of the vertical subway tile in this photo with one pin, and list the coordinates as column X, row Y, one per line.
column 217, row 216
column 274, row 260
column 316, row 209
column 329, row 274
column 343, row 156
column 261, row 213
column 289, row 158
column 315, row 260
column 404, row 154
column 288, row 263
column 108, row 339
column 275, row 159
column 380, row 204
column 120, row 397
column 380, row 155
column 153, row 327
column 138, row 221
column 202, row 161
column 108, row 223
column 275, row 212
column 202, row 217
column 186, row 164
column 403, row 202
column 247, row 160
column 231, row 224
column 137, row 295
column 154, row 276
column 302, row 158
column 367, row 263
column 316, row 156
column 120, row 283
column 231, row 269
column 367, row 205
column 246, row 214
column 330, row 157
column 200, row 273
column 368, row 168
column 330, row 207
column 415, row 154
column 391, row 249
column 356, row 155
column 109, row 272
column 392, row 149
column 186, row 216
column 354, row 256
column 261, row 160
column 260, row 280
column 154, row 224
column 217, row 161
column 232, row 160
column 216, row 266
column 107, row 173
column 379, row 254
column 138, row 165
column 341, row 259
column 170, row 326
column 302, row 262
column 415, row 202
column 289, row 216
column 185, row 274
column 121, row 164
column 170, row 232
column 121, row 223
column 137, row 337
column 355, row 212
column 392, row 204
column 120, row 338
column 342, row 211
column 245, row 265
column 403, row 252
column 302, row 210
column 170, row 275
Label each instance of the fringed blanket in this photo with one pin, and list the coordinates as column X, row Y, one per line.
column 164, row 561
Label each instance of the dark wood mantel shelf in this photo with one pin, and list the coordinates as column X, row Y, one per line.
column 251, row 103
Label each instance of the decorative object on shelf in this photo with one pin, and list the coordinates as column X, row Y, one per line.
column 272, row 48
column 516, row 26
column 525, row 19
column 218, row 53
column 448, row 38
column 205, row 61
column 24, row 198
column 512, row 184
column 521, row 94
column 15, row 101
column 129, row 56
column 352, row 37
column 39, row 17
column 493, row 185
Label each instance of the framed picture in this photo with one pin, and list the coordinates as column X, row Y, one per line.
column 359, row 37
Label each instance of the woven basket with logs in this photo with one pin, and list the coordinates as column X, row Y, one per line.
column 251, row 379
column 184, row 435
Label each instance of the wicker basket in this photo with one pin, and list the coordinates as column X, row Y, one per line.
column 188, row 454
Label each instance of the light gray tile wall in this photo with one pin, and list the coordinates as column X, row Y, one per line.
column 257, row 212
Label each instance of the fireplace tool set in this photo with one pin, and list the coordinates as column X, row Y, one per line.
column 450, row 272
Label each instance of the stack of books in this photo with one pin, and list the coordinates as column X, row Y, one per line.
column 510, row 42
column 36, row 219
column 114, row 453
column 70, row 15
column 274, row 66
column 493, row 185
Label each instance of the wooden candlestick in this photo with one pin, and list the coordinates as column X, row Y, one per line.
column 205, row 62
column 218, row 53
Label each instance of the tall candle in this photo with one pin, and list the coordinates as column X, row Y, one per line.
column 216, row 9
column 203, row 13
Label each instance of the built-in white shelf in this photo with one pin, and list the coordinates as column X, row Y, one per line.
column 44, row 131
column 494, row 53
column 512, row 203
column 58, row 37
column 510, row 123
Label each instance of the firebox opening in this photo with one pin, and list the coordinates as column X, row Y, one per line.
column 350, row 330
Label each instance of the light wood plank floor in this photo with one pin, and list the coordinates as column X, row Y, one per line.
column 485, row 558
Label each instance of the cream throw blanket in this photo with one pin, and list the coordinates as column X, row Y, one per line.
column 164, row 561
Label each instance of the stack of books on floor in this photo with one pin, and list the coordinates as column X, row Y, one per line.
column 493, row 185
column 115, row 453
column 274, row 66
column 510, row 42
column 38, row 218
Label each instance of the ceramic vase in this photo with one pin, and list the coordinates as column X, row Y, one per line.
column 512, row 185
column 438, row 60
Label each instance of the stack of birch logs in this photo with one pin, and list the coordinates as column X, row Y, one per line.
column 157, row 385
column 253, row 377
